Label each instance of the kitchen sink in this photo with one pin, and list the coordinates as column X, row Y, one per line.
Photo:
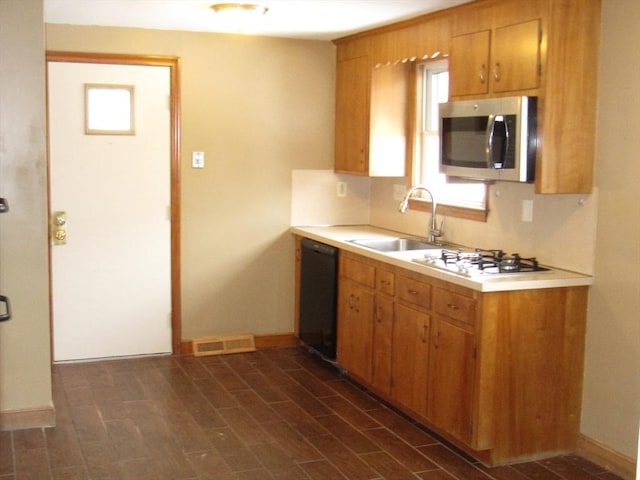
column 394, row 244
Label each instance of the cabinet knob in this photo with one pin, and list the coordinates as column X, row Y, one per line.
column 496, row 72
column 481, row 72
column 451, row 306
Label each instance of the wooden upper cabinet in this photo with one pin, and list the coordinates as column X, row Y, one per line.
column 567, row 121
column 497, row 48
column 389, row 119
column 371, row 118
column 469, row 64
column 516, row 57
column 352, row 115
column 506, row 59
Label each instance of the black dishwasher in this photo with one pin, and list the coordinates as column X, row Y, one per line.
column 318, row 297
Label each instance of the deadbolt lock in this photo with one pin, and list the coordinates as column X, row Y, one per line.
column 58, row 228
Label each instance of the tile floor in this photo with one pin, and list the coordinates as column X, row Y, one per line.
column 273, row 414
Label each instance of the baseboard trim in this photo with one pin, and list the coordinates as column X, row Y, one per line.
column 279, row 340
column 28, row 418
column 606, row 457
column 276, row 340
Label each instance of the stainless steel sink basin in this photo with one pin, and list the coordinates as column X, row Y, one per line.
column 394, row 244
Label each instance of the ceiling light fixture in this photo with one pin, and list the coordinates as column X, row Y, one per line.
column 239, row 17
column 247, row 8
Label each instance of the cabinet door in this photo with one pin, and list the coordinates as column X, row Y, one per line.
column 352, row 115
column 389, row 119
column 355, row 328
column 469, row 64
column 410, row 359
column 451, row 378
column 382, row 335
column 515, row 58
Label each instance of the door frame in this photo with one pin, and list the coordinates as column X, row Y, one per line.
column 174, row 68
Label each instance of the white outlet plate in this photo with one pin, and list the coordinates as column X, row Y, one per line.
column 341, row 189
column 527, row 210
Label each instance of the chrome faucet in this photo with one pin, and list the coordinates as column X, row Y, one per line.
column 434, row 231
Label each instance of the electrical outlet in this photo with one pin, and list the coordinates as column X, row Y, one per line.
column 341, row 189
column 527, row 210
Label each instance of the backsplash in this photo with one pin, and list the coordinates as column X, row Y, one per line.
column 315, row 200
column 562, row 233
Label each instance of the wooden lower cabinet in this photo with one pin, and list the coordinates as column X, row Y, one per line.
column 410, row 359
column 499, row 374
column 355, row 328
column 382, row 343
column 451, row 379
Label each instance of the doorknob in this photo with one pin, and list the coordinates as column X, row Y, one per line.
column 59, row 228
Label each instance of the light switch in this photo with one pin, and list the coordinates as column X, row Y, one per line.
column 197, row 159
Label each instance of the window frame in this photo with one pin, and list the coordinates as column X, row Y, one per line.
column 415, row 138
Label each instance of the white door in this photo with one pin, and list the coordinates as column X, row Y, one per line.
column 111, row 280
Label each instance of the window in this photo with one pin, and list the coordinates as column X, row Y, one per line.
column 465, row 199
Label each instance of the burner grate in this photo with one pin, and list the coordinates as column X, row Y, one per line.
column 490, row 261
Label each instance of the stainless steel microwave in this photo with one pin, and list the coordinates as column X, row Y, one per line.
column 489, row 139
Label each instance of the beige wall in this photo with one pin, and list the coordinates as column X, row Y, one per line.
column 612, row 376
column 25, row 375
column 258, row 108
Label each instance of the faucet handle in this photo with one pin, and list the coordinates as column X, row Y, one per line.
column 438, row 232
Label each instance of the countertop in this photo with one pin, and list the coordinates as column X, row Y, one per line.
column 339, row 236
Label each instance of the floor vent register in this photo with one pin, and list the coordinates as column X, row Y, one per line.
column 220, row 345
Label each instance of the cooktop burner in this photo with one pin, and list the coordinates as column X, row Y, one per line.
column 481, row 262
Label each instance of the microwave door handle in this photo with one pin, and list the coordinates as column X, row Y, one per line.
column 505, row 147
column 491, row 125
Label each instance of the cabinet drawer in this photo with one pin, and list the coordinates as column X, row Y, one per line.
column 385, row 281
column 455, row 306
column 414, row 291
column 357, row 271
